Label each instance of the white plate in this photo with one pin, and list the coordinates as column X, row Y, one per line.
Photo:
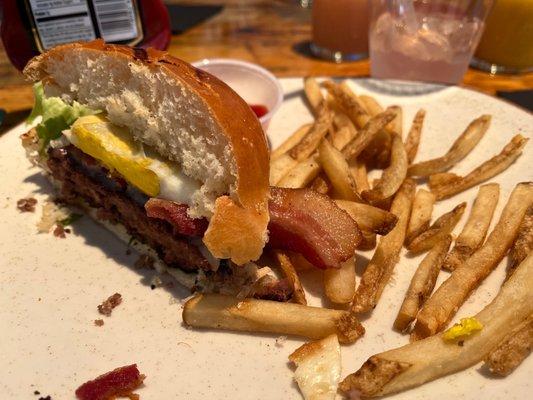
column 50, row 288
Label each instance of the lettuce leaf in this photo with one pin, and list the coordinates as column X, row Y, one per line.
column 56, row 114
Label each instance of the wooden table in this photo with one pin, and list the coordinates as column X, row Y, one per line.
column 272, row 33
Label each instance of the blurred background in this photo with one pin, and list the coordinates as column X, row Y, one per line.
column 427, row 40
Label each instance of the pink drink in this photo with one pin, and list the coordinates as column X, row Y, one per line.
column 438, row 49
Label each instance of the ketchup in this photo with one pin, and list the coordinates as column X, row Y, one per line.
column 259, row 109
column 30, row 27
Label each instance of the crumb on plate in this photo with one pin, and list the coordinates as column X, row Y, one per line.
column 26, row 204
column 108, row 305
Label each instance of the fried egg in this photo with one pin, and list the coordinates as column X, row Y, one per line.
column 115, row 148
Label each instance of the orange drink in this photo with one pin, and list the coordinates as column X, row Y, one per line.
column 507, row 43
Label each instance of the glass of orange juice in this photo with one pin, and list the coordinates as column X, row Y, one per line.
column 340, row 29
column 507, row 43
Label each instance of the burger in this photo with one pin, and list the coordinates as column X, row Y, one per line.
column 174, row 162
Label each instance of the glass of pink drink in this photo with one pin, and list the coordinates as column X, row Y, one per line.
column 425, row 40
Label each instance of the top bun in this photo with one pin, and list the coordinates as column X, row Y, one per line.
column 189, row 117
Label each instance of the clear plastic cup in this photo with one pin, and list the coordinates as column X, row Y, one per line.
column 431, row 41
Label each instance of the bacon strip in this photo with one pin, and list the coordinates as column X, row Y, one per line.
column 119, row 382
column 176, row 214
column 310, row 223
column 301, row 220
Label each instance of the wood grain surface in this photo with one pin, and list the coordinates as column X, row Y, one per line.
column 272, row 33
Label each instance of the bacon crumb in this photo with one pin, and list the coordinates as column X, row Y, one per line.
column 26, row 204
column 99, row 322
column 59, row 232
column 108, row 305
column 120, row 382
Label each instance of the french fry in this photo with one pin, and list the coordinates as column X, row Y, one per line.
column 301, row 174
column 348, row 102
column 419, row 362
column 291, row 141
column 339, row 284
column 334, row 106
column 396, row 125
column 422, row 284
column 511, row 352
column 369, row 218
column 462, row 146
column 420, row 215
column 366, row 134
column 300, row 263
column 338, row 172
column 218, row 311
column 485, row 171
column 380, row 267
column 437, row 231
column 298, row 295
column 342, row 137
column 447, row 299
column 442, row 178
column 377, row 153
column 360, row 176
column 393, row 176
column 371, row 105
column 473, row 234
column 342, row 121
column 504, row 359
column 368, row 241
column 313, row 94
column 413, row 137
column 523, row 245
column 280, row 167
column 321, row 184
column 318, row 131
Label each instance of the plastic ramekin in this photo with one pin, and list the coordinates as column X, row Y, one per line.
column 253, row 83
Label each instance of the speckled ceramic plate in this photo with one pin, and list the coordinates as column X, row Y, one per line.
column 50, row 287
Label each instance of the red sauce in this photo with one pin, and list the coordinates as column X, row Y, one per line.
column 20, row 22
column 259, row 109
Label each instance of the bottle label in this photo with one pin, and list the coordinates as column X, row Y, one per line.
column 63, row 21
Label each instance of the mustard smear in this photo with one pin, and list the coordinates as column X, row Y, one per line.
column 465, row 327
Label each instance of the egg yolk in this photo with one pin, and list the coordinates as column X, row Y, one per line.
column 114, row 147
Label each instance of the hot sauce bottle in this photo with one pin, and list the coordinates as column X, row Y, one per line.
column 30, row 27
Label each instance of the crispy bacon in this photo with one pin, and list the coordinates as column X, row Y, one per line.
column 301, row 220
column 176, row 214
column 310, row 223
column 119, row 382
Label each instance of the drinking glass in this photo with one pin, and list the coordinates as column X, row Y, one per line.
column 507, row 42
column 340, row 29
column 425, row 40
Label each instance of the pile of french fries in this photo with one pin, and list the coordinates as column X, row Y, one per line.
column 352, row 134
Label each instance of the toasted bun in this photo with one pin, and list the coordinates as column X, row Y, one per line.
column 188, row 116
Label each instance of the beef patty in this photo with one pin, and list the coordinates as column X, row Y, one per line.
column 84, row 178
